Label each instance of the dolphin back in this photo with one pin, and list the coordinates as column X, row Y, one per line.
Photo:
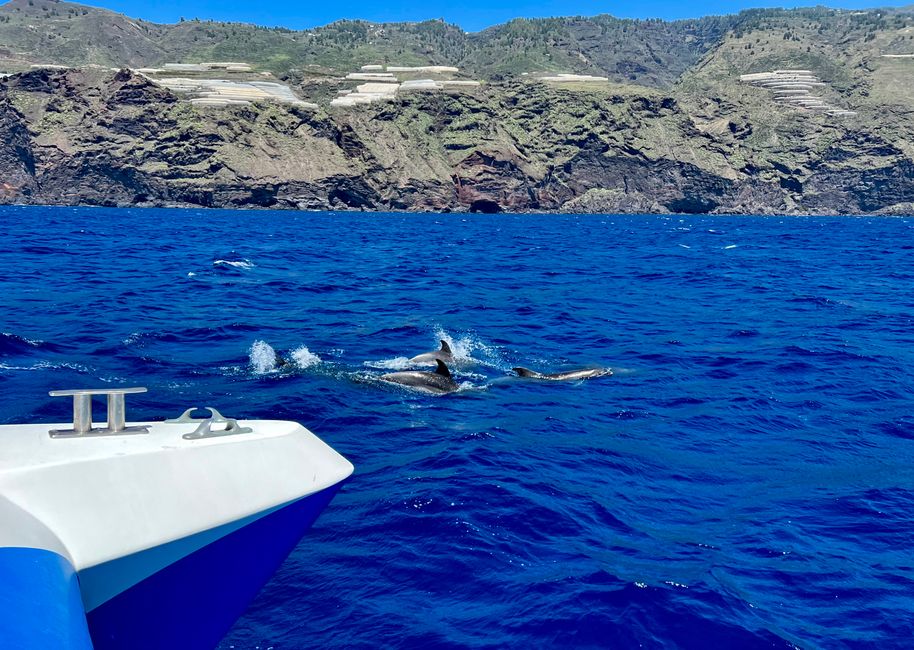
column 442, row 369
column 568, row 375
column 439, row 381
column 429, row 358
column 572, row 375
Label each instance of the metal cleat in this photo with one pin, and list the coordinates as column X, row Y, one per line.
column 205, row 425
column 82, row 413
column 185, row 417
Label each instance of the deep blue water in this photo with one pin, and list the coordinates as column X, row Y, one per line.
column 743, row 480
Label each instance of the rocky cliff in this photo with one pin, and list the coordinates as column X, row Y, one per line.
column 89, row 137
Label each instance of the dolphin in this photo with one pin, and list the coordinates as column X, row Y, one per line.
column 429, row 358
column 439, row 382
column 569, row 375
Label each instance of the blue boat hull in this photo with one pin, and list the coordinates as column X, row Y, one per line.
column 193, row 602
column 40, row 602
column 190, row 603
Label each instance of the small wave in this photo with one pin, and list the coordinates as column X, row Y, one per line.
column 819, row 301
column 6, row 336
column 13, row 343
column 194, row 335
column 903, row 427
column 238, row 264
column 726, row 248
column 47, row 365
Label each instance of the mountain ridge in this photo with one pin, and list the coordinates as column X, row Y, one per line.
column 672, row 129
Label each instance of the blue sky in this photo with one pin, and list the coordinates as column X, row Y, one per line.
column 472, row 15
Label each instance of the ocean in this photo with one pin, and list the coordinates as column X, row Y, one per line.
column 745, row 478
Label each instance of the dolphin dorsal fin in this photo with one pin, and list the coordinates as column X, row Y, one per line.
column 445, row 347
column 442, row 369
column 524, row 372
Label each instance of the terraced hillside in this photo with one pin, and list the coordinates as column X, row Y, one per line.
column 649, row 52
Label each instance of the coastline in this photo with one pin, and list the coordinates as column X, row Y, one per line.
column 456, row 213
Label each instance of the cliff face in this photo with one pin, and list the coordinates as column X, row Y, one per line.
column 88, row 137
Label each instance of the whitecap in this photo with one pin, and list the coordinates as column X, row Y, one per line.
column 726, row 248
column 238, row 264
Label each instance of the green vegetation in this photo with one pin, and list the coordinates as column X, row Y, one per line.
column 646, row 52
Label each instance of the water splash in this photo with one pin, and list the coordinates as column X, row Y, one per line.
column 470, row 349
column 467, row 349
column 304, row 358
column 263, row 358
column 468, row 386
column 397, row 363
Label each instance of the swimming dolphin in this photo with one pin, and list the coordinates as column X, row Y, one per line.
column 439, row 381
column 569, row 375
column 280, row 361
column 429, row 358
